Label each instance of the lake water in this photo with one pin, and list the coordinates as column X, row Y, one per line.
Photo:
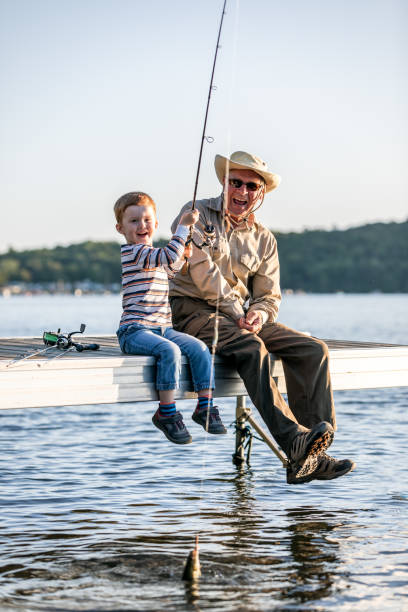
column 98, row 511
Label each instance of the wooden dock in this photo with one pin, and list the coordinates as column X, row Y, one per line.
column 67, row 378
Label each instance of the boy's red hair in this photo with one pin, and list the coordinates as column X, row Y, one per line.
column 133, row 198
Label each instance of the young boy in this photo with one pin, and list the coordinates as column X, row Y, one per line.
column 145, row 326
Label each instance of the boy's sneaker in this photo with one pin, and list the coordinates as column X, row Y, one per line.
column 306, row 448
column 173, row 427
column 215, row 425
column 327, row 469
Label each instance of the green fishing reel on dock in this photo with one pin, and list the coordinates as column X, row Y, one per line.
column 65, row 341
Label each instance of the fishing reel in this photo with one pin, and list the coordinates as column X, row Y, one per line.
column 65, row 341
column 208, row 237
column 207, row 234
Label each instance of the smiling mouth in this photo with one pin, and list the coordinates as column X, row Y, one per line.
column 240, row 203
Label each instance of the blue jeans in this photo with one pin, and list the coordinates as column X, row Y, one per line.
column 167, row 346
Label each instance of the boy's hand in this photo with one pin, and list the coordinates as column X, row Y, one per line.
column 189, row 218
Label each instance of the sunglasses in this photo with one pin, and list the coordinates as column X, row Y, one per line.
column 251, row 185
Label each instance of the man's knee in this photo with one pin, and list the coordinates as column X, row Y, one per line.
column 321, row 347
column 319, row 350
column 241, row 344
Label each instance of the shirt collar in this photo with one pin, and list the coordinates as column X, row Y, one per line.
column 247, row 224
column 218, row 205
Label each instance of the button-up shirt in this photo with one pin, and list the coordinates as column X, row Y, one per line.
column 240, row 269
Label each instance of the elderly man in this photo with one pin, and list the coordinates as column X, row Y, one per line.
column 236, row 267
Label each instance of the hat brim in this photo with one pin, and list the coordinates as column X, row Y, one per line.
column 271, row 180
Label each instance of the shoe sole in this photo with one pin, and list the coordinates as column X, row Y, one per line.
column 215, row 433
column 317, row 446
column 309, row 478
column 185, row 441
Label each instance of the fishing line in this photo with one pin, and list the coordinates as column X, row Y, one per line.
column 204, row 453
column 216, row 313
column 226, row 187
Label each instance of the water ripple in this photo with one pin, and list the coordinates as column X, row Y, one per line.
column 102, row 516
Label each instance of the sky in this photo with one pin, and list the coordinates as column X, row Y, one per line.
column 102, row 97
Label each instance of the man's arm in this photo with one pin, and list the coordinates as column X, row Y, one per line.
column 266, row 294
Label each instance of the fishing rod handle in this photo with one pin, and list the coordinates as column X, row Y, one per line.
column 86, row 347
column 91, row 347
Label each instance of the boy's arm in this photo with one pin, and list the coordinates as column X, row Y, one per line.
column 147, row 257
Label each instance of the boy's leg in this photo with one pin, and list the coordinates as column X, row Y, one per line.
column 168, row 357
column 199, row 357
column 168, row 363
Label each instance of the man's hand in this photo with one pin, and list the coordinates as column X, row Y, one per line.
column 252, row 321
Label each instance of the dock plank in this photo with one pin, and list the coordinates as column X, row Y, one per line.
column 64, row 378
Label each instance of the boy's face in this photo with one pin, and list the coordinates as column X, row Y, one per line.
column 138, row 224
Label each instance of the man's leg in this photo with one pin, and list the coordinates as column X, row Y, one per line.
column 305, row 363
column 250, row 357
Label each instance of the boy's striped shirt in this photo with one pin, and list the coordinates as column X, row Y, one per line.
column 145, row 271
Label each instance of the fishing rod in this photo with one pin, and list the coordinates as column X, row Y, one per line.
column 208, row 233
column 208, row 106
column 65, row 341
column 27, row 356
column 57, row 340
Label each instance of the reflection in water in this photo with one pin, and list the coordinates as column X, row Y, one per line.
column 192, row 594
column 98, row 512
column 244, row 518
column 315, row 558
column 275, row 554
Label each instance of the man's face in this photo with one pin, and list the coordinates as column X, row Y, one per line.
column 241, row 199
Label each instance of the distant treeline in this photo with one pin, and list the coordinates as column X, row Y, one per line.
column 372, row 257
column 369, row 258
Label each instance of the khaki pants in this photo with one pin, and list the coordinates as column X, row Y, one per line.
column 304, row 359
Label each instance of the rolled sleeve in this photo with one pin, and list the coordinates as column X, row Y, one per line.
column 266, row 293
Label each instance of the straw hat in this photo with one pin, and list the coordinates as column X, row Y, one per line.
column 240, row 160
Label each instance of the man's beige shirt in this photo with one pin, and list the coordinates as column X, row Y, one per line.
column 241, row 269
